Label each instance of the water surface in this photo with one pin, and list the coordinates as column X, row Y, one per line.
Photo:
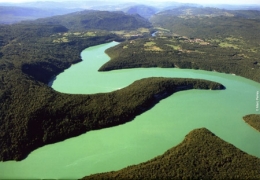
column 149, row 134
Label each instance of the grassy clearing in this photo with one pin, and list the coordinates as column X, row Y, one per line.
column 154, row 48
column 175, row 47
column 233, row 39
column 253, row 50
column 229, row 42
column 148, row 44
column 61, row 40
column 143, row 30
column 90, row 33
column 214, row 40
column 127, row 34
column 162, row 29
column 77, row 33
column 118, row 32
column 226, row 44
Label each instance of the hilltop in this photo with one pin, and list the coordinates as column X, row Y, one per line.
column 32, row 114
column 92, row 19
column 142, row 10
column 201, row 155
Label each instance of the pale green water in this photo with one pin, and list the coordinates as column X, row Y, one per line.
column 149, row 134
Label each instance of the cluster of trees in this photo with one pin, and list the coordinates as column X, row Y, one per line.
column 253, row 120
column 29, row 58
column 33, row 115
column 201, row 155
column 32, row 48
column 184, row 52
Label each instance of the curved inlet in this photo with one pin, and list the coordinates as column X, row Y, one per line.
column 149, row 134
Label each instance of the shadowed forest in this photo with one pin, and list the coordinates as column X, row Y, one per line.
column 201, row 155
column 32, row 114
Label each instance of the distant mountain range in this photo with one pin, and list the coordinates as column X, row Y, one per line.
column 210, row 12
column 15, row 12
column 92, row 19
column 142, row 10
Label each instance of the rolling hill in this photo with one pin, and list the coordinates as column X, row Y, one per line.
column 14, row 14
column 201, row 155
column 91, row 19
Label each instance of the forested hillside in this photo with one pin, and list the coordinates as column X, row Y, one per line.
column 210, row 23
column 30, row 56
column 201, row 155
column 33, row 114
column 90, row 19
column 183, row 52
column 195, row 38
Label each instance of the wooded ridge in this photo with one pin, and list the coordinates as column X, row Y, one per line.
column 201, row 155
column 33, row 114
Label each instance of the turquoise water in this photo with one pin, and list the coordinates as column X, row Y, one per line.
column 149, row 134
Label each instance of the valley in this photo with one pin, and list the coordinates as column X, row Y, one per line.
column 32, row 53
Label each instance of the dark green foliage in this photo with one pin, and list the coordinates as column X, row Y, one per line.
column 33, row 115
column 36, row 50
column 29, row 58
column 90, row 19
column 183, row 52
column 253, row 120
column 201, row 155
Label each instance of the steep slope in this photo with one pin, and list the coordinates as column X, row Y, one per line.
column 228, row 56
column 33, row 114
column 201, row 155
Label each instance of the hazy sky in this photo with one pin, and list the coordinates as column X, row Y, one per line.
column 183, row 1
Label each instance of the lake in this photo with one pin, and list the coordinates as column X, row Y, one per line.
column 149, row 134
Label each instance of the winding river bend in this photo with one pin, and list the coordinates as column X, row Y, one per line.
column 149, row 134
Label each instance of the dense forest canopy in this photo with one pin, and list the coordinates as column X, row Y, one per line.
column 32, row 114
column 32, row 52
column 216, row 160
column 196, row 38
